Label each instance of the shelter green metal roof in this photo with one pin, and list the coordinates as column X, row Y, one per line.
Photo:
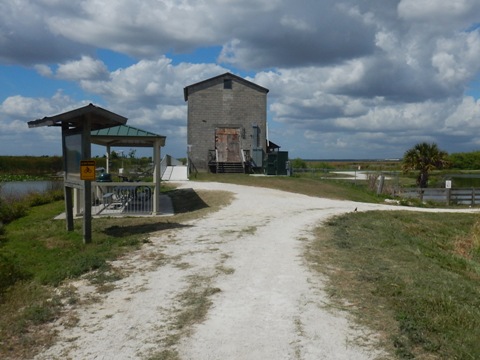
column 124, row 135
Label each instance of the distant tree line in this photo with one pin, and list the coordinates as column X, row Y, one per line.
column 426, row 157
column 30, row 165
column 465, row 161
column 45, row 165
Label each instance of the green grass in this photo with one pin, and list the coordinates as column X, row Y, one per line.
column 327, row 188
column 49, row 254
column 413, row 276
column 37, row 254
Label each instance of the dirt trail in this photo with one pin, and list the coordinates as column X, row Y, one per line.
column 247, row 260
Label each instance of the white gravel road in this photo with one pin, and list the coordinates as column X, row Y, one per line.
column 265, row 302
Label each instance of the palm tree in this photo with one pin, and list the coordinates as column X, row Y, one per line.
column 424, row 157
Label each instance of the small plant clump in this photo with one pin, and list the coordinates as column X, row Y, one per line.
column 468, row 245
column 13, row 207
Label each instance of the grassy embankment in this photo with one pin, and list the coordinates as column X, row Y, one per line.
column 37, row 255
column 413, row 277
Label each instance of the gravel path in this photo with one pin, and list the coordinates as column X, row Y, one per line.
column 247, row 261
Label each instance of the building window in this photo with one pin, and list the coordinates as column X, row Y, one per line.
column 227, row 83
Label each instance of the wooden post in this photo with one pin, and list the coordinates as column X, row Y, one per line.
column 77, row 202
column 107, row 165
column 68, row 193
column 87, row 185
column 67, row 190
column 381, row 182
column 157, row 177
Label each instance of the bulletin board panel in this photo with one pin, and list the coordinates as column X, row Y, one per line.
column 72, row 141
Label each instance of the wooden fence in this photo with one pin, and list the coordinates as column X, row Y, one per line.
column 448, row 196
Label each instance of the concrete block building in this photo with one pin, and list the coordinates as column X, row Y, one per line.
column 227, row 124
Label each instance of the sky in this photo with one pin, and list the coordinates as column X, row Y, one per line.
column 348, row 79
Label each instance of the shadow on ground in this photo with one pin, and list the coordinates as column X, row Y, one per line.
column 122, row 231
column 186, row 200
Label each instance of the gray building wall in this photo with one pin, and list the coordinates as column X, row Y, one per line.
column 212, row 106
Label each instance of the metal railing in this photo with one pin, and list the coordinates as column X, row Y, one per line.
column 192, row 169
column 125, row 198
column 457, row 196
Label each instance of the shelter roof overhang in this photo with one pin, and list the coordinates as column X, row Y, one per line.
column 124, row 135
column 100, row 118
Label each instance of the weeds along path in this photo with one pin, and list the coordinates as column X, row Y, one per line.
column 231, row 285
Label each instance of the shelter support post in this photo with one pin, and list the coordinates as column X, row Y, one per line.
column 69, row 207
column 68, row 191
column 87, row 185
column 156, row 177
column 107, row 166
column 77, row 202
column 87, row 213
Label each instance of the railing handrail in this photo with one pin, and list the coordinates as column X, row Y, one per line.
column 191, row 164
column 469, row 196
column 163, row 165
column 125, row 197
column 122, row 183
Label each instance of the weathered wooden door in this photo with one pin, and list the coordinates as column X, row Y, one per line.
column 227, row 141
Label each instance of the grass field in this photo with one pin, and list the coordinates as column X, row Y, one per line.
column 332, row 189
column 413, row 277
column 37, row 255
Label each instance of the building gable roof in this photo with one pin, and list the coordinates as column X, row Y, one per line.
column 228, row 76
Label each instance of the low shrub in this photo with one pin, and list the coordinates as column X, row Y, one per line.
column 13, row 207
column 37, row 199
column 10, row 272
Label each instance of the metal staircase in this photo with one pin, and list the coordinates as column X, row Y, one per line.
column 230, row 168
column 226, row 167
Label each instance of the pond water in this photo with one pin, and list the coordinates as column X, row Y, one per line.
column 20, row 188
